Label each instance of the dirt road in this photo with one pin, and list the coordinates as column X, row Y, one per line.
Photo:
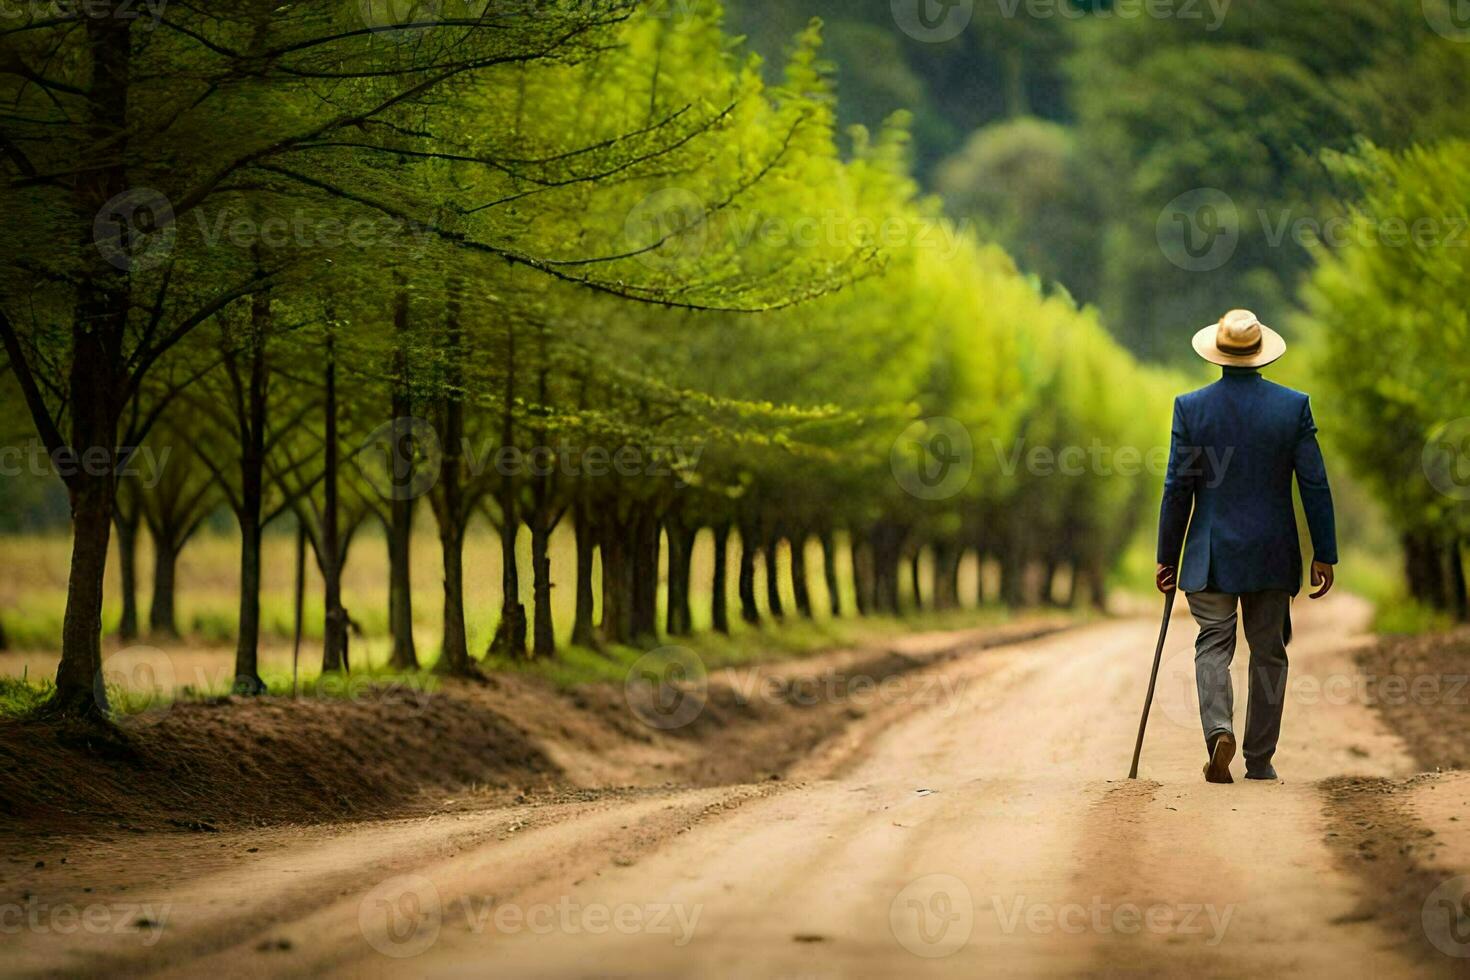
column 986, row 830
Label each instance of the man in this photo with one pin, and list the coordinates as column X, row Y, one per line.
column 1235, row 446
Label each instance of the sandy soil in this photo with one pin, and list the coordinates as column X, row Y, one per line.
column 982, row 826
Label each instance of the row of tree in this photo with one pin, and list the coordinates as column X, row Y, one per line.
column 1392, row 335
column 535, row 263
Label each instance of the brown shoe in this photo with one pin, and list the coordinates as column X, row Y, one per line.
column 1217, row 770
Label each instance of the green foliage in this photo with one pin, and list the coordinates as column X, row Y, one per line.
column 21, row 696
column 1168, row 106
column 580, row 230
column 1391, row 334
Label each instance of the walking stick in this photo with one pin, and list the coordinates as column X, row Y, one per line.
column 1152, row 679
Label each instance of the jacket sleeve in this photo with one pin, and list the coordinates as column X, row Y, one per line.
column 1311, row 482
column 1179, row 489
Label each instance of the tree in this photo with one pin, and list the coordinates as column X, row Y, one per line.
column 1396, row 285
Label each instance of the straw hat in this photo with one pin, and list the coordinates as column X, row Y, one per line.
column 1239, row 340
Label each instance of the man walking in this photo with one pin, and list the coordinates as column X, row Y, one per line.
column 1234, row 449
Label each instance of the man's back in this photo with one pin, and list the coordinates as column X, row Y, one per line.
column 1236, row 444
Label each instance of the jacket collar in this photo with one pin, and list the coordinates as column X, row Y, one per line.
column 1239, row 374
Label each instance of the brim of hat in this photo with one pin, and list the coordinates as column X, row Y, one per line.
column 1273, row 345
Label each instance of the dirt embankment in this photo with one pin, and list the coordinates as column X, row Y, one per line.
column 237, row 762
column 1403, row 837
column 1420, row 685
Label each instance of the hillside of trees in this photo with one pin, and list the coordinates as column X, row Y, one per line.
column 1088, row 139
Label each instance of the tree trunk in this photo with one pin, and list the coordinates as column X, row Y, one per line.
column 334, row 626
column 81, row 630
column 863, row 589
column 1454, row 579
column 454, row 655
column 247, row 640
column 400, row 594
column 298, row 605
column 1074, row 584
column 617, row 585
column 449, row 512
column 800, row 591
column 161, row 619
column 646, row 546
column 126, row 521
column 97, row 373
column 400, row 519
column 946, row 574
column 1049, row 582
column 1012, row 576
column 1097, row 585
column 584, row 633
column 773, row 575
column 672, row 624
column 510, row 632
column 686, row 566
column 543, row 641
column 251, row 503
column 748, row 611
column 829, row 572
column 1431, row 573
column 543, row 517
column 92, row 491
column 127, row 556
column 719, row 612
column 680, row 618
column 886, row 544
column 981, row 596
column 914, row 587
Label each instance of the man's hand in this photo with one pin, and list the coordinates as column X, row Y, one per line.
column 1321, row 575
column 1164, row 578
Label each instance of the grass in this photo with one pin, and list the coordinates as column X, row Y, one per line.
column 570, row 667
column 1405, row 617
column 748, row 645
column 20, row 696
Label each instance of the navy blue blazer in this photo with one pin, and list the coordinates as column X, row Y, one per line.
column 1235, row 446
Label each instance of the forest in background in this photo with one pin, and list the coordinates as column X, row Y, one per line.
column 1068, row 130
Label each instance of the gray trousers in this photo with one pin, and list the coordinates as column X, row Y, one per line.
column 1267, row 617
